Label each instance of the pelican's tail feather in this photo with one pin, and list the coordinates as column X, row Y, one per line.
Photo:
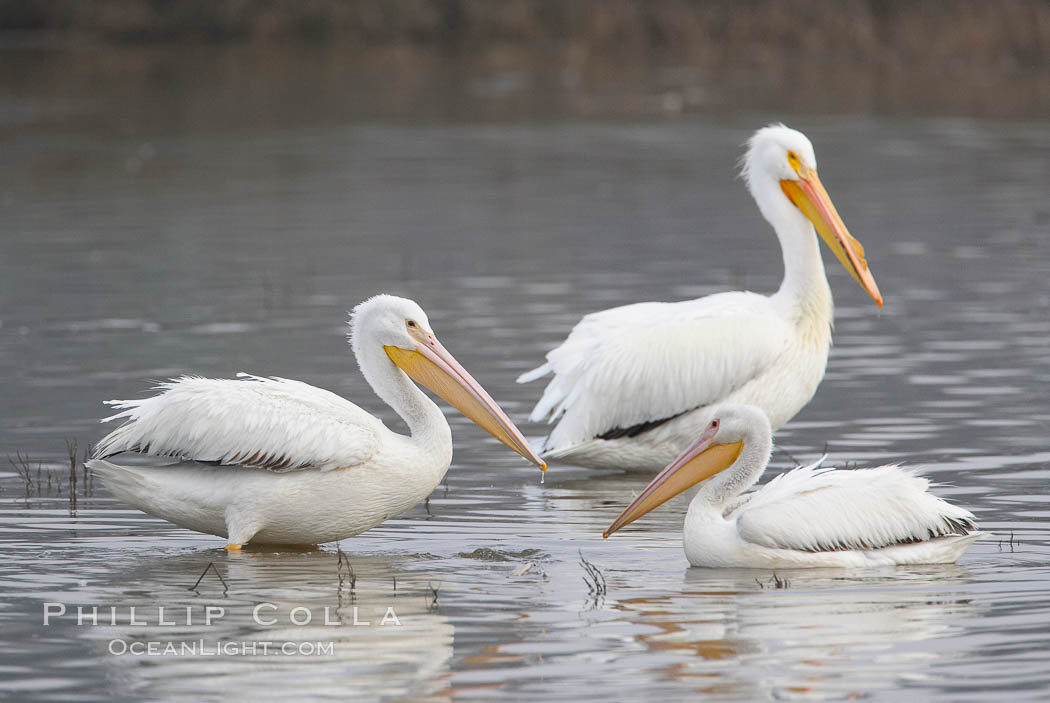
column 123, row 481
column 538, row 372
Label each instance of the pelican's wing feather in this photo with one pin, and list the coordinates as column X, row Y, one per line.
column 817, row 509
column 272, row 423
column 637, row 364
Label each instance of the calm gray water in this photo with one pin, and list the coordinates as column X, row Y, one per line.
column 139, row 248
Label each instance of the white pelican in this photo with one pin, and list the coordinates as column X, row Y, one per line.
column 292, row 463
column 808, row 517
column 633, row 385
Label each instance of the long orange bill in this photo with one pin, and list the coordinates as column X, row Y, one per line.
column 434, row 367
column 702, row 460
column 809, row 196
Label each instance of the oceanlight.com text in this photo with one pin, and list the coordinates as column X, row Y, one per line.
column 226, row 648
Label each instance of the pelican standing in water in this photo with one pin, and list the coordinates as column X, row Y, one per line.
column 634, row 385
column 808, row 517
column 279, row 461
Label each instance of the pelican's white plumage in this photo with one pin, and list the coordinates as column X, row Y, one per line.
column 808, row 517
column 280, row 461
column 815, row 509
column 635, row 384
column 270, row 423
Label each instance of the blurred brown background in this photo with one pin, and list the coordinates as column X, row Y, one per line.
column 543, row 58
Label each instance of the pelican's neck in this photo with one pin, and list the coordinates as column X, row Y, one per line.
column 717, row 491
column 426, row 423
column 804, row 292
column 805, row 284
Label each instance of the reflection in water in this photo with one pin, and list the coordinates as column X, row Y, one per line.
column 800, row 649
column 333, row 638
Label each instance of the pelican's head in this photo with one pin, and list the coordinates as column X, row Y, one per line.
column 401, row 327
column 717, row 448
column 780, row 163
column 386, row 318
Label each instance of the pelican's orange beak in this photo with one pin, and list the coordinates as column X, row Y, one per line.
column 809, row 196
column 702, row 460
column 433, row 366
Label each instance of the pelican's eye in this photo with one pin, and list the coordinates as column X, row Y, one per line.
column 794, row 162
column 713, row 425
column 411, row 323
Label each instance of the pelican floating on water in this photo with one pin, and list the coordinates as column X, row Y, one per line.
column 634, row 385
column 279, row 461
column 808, row 517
